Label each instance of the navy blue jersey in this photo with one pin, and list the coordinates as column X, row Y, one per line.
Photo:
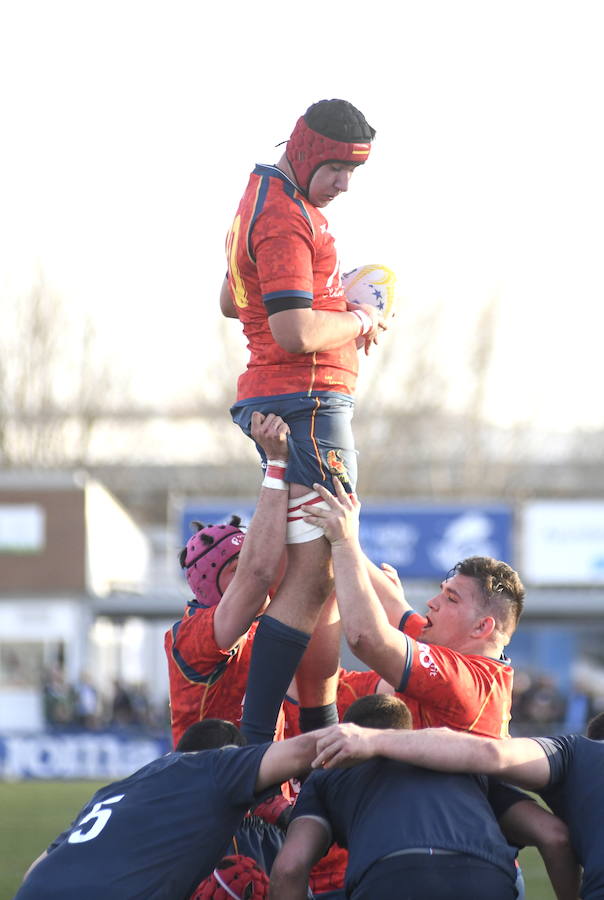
column 382, row 806
column 576, row 793
column 156, row 834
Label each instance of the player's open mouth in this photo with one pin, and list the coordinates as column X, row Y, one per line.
column 428, row 623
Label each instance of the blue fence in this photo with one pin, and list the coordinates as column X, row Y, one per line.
column 103, row 755
column 419, row 541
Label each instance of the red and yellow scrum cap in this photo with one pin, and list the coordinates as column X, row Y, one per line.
column 329, row 131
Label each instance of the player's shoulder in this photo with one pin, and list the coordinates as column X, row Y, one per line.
column 194, row 633
column 278, row 199
column 197, row 616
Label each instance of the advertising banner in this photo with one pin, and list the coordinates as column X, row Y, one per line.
column 563, row 542
column 76, row 755
column 420, row 541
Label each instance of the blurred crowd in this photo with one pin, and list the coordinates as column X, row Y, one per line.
column 540, row 707
column 80, row 705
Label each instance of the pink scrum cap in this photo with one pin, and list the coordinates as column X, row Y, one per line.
column 205, row 556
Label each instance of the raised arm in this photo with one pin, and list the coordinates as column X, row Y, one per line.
column 263, row 547
column 368, row 632
column 521, row 761
column 386, row 583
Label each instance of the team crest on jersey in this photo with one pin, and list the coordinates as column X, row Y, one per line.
column 336, row 465
column 425, row 659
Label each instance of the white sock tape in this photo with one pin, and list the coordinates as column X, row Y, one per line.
column 299, row 531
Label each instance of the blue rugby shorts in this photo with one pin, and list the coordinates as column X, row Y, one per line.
column 321, row 443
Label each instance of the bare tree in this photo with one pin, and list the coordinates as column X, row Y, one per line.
column 54, row 388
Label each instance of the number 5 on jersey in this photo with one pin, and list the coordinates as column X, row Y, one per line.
column 99, row 816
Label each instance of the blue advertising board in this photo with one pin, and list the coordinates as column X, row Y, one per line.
column 77, row 754
column 420, row 541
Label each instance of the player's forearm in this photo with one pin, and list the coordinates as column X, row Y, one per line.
column 306, row 841
column 287, row 759
column 563, row 870
column 526, row 823
column 284, row 886
column 441, row 749
column 390, row 595
column 520, row 761
column 360, row 609
column 257, row 570
column 265, row 541
column 311, row 330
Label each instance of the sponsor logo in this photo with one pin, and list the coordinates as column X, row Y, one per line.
column 425, row 659
column 336, row 464
column 237, row 540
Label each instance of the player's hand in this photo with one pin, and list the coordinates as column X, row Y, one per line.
column 340, row 523
column 379, row 325
column 270, row 432
column 392, row 575
column 344, row 745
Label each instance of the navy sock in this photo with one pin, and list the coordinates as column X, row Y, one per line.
column 277, row 651
column 312, row 717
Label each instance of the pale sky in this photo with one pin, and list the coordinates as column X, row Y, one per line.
column 130, row 127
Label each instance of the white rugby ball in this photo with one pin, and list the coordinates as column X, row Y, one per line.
column 372, row 284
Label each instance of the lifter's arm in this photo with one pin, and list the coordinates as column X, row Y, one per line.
column 368, row 632
column 263, row 547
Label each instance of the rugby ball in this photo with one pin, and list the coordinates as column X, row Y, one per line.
column 374, row 285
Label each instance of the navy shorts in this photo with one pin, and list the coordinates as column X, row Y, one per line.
column 321, row 443
column 435, row 877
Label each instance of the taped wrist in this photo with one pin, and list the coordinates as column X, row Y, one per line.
column 364, row 319
column 273, row 476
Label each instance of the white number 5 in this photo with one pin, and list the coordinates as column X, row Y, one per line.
column 102, row 817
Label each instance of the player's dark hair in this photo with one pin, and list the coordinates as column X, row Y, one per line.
column 340, row 121
column 595, row 728
column 501, row 587
column 379, row 711
column 210, row 734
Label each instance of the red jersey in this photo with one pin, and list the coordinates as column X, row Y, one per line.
column 206, row 682
column 351, row 686
column 280, row 251
column 442, row 687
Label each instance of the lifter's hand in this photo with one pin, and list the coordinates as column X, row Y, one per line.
column 344, row 745
column 340, row 523
column 379, row 325
column 270, row 432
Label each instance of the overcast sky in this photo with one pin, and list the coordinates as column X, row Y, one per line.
column 130, row 127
